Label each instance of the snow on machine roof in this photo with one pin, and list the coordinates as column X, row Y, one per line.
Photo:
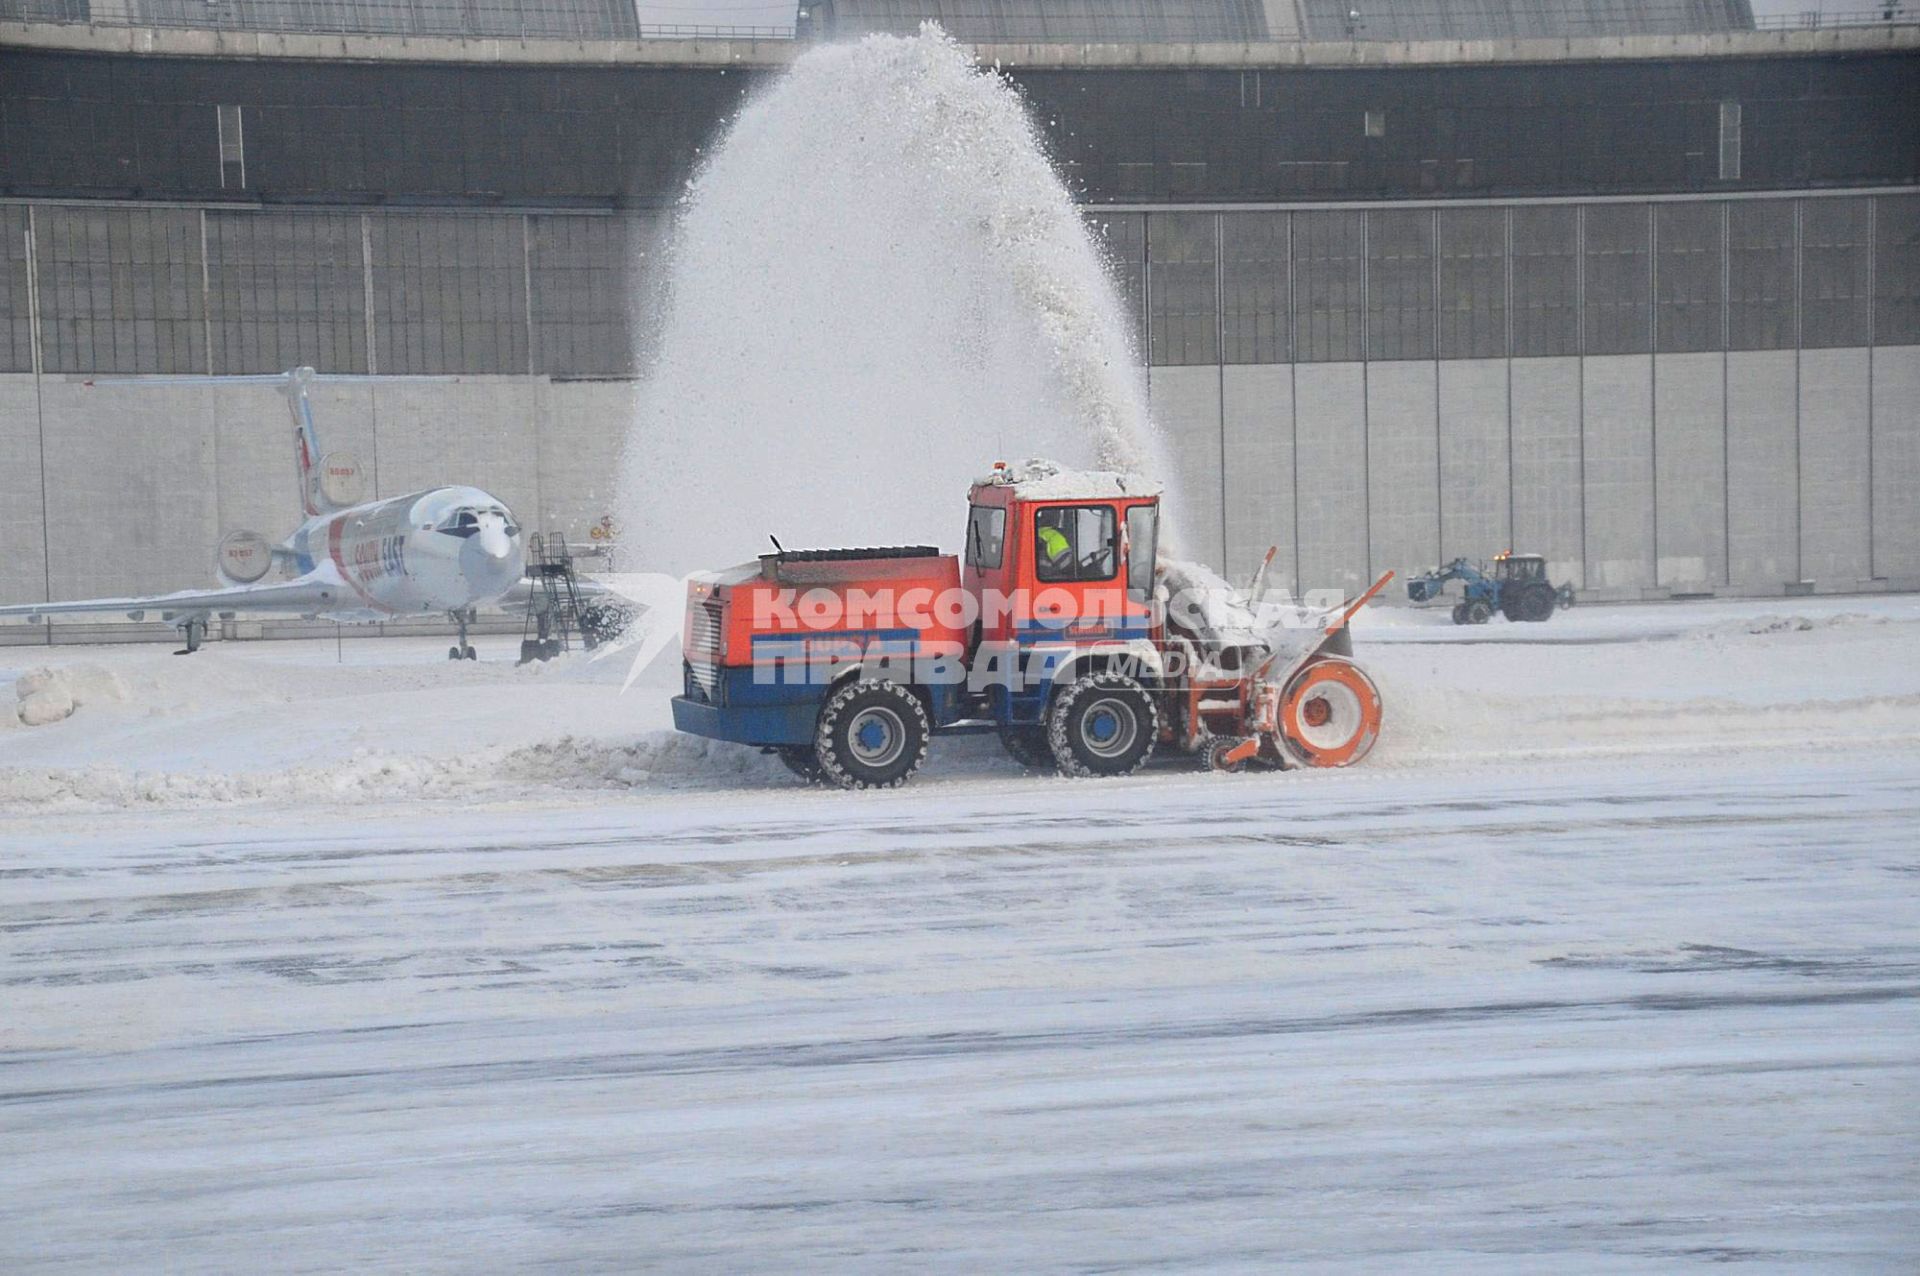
column 1036, row 479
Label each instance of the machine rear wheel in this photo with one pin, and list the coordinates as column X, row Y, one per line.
column 1537, row 603
column 1477, row 612
column 871, row 735
column 1102, row 724
column 1330, row 714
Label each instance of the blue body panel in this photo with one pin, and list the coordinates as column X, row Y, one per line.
column 747, row 711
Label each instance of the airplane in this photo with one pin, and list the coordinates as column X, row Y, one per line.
column 445, row 549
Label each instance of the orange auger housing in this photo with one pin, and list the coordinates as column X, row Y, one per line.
column 1060, row 628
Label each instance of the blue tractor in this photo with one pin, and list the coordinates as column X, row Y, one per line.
column 1516, row 586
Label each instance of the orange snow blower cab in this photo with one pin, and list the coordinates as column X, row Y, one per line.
column 1060, row 628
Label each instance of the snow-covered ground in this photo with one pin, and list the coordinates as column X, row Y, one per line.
column 1608, row 959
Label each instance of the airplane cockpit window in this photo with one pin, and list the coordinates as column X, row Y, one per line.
column 467, row 522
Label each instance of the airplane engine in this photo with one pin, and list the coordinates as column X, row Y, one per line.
column 338, row 481
column 244, row 558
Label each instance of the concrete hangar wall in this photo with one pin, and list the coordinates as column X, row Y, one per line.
column 1651, row 311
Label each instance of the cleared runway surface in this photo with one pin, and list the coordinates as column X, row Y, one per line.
column 1548, row 1016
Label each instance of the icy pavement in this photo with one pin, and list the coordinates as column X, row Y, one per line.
column 1625, row 982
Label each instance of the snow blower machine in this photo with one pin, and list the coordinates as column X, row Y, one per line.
column 1060, row 629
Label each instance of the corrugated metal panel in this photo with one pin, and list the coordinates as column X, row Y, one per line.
column 1033, row 21
column 1517, row 19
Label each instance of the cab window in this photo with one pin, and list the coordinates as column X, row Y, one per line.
column 1075, row 542
column 1143, row 533
column 986, row 536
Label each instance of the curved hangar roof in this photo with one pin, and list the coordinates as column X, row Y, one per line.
column 1238, row 21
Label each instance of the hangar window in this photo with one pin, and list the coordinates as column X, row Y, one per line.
column 1375, row 123
column 1688, row 303
column 233, row 149
column 1254, row 287
column 1729, row 141
column 1896, row 254
column 1400, row 284
column 1834, row 278
column 1473, row 282
column 1619, row 280
column 1182, row 289
column 1546, row 280
column 1329, row 259
column 1760, row 300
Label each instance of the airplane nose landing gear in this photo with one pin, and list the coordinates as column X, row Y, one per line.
column 461, row 651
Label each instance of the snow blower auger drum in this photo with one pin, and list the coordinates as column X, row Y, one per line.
column 1329, row 714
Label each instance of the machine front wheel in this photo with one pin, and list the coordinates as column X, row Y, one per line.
column 1477, row 612
column 871, row 735
column 802, row 760
column 1028, row 747
column 1102, row 724
column 1459, row 613
column 1213, row 755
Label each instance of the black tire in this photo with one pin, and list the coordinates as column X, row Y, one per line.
column 802, row 760
column 1537, row 602
column 1102, row 724
column 871, row 735
column 1028, row 747
column 1510, row 604
column 1478, row 612
column 1459, row 613
column 453, row 653
column 1213, row 755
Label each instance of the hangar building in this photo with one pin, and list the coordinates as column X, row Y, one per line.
column 1632, row 283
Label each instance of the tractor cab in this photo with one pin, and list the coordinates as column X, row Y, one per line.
column 1061, row 566
column 1059, row 555
column 1519, row 569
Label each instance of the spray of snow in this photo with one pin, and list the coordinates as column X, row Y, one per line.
column 877, row 286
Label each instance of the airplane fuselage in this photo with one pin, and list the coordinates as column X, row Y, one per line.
column 442, row 550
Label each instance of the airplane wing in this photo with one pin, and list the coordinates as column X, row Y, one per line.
column 315, row 592
column 521, row 596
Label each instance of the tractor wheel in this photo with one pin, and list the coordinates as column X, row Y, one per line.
column 1102, row 724
column 1213, row 755
column 871, row 735
column 1537, row 602
column 1459, row 613
column 1330, row 714
column 802, row 760
column 1477, row 612
column 1028, row 747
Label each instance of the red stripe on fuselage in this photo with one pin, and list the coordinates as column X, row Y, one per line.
column 337, row 554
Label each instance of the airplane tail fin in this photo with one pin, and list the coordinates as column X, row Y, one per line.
column 328, row 481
